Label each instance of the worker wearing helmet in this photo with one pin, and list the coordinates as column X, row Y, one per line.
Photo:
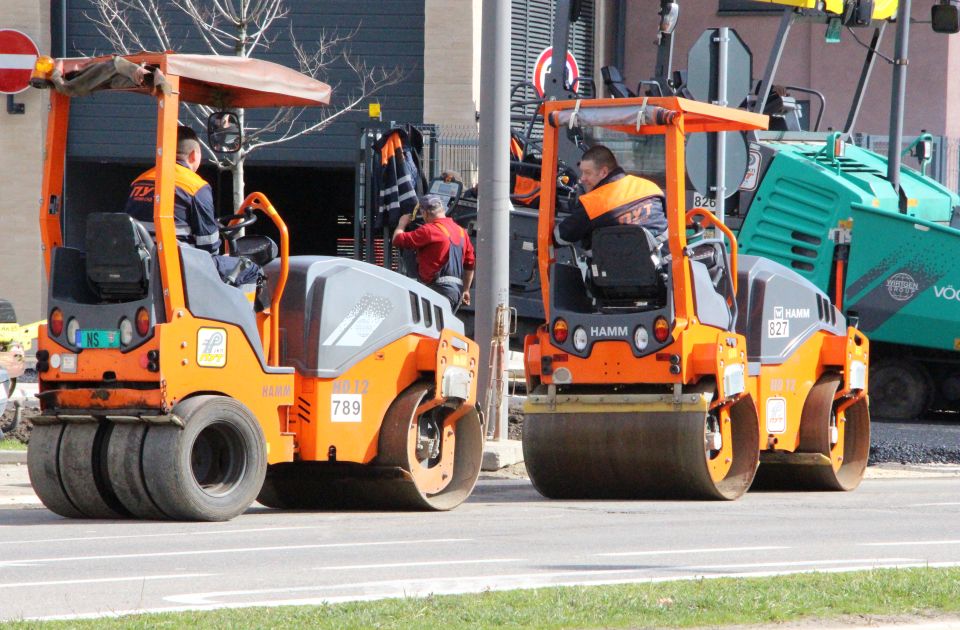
column 445, row 256
column 193, row 210
column 611, row 197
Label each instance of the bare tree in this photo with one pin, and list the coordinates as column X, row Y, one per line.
column 244, row 28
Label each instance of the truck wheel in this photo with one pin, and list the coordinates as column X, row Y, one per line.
column 43, row 464
column 84, row 472
column 125, row 469
column 899, row 389
column 212, row 468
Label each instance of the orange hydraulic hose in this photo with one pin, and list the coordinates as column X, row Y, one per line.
column 711, row 220
column 259, row 201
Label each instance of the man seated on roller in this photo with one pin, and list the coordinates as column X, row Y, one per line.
column 611, row 197
column 193, row 210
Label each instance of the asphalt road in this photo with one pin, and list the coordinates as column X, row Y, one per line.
column 506, row 536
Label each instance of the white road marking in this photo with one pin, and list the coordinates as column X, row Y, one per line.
column 216, row 532
column 670, row 552
column 934, row 504
column 133, row 578
column 899, row 543
column 246, row 550
column 428, row 563
column 797, row 563
column 395, row 589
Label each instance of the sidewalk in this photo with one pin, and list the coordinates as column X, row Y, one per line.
column 15, row 490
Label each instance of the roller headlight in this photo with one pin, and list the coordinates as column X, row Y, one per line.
column 126, row 331
column 579, row 339
column 73, row 327
column 641, row 338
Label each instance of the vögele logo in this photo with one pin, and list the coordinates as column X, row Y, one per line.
column 901, row 286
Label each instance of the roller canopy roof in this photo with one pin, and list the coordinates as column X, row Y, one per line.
column 639, row 115
column 218, row 81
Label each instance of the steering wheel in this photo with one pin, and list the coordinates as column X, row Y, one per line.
column 245, row 218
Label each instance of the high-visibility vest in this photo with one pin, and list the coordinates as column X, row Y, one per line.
column 618, row 193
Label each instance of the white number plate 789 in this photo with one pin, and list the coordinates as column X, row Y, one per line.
column 346, row 408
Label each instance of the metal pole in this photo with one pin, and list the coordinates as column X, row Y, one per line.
column 723, row 41
column 493, row 264
column 899, row 94
column 786, row 21
column 868, row 65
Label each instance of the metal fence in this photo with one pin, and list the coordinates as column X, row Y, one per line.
column 944, row 167
column 451, row 148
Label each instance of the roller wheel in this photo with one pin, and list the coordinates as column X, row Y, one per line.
column 84, row 471
column 43, row 465
column 210, row 470
column 125, row 470
column 628, row 455
column 842, row 436
column 900, row 389
column 439, row 457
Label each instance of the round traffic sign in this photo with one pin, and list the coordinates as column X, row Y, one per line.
column 18, row 53
column 541, row 70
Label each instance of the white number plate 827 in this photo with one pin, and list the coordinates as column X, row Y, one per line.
column 346, row 408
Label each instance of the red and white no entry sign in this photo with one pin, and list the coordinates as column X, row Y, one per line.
column 18, row 53
column 541, row 70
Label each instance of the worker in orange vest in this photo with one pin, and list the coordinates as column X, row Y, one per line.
column 611, row 197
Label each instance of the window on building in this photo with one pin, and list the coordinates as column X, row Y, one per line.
column 748, row 6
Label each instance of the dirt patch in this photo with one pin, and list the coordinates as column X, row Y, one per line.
column 22, row 432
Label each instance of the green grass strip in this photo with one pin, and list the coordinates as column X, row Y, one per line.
column 714, row 602
column 7, row 444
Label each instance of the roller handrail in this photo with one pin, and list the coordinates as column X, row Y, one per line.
column 259, row 201
column 711, row 220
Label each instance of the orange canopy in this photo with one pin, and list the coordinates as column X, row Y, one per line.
column 218, row 81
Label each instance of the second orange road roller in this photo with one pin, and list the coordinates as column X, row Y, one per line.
column 672, row 367
column 169, row 394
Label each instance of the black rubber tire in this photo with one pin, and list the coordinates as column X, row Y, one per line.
column 124, row 467
column 83, row 470
column 43, row 465
column 900, row 389
column 210, row 470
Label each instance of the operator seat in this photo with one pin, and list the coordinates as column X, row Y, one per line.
column 119, row 252
column 626, row 266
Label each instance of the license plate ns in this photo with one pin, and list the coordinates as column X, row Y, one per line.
column 98, row 338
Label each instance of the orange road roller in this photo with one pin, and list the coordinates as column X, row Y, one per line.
column 167, row 393
column 671, row 367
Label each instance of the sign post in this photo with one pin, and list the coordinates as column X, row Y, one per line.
column 18, row 54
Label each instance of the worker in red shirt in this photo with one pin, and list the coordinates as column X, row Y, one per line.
column 445, row 258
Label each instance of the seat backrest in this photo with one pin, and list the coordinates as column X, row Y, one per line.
column 614, row 82
column 117, row 258
column 625, row 262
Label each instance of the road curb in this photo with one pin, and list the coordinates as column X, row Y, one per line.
column 13, row 457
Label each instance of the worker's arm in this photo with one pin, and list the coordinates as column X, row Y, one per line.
column 573, row 228
column 469, row 264
column 411, row 240
column 203, row 225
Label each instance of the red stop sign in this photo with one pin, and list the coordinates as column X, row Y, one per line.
column 18, row 53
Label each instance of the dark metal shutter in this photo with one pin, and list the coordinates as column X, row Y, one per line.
column 532, row 24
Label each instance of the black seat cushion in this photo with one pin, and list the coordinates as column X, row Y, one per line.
column 117, row 258
column 260, row 249
column 614, row 82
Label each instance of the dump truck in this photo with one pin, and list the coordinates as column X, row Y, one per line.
column 871, row 232
column 673, row 368
column 167, row 393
